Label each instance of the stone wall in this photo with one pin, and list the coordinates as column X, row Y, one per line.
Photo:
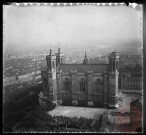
column 89, row 97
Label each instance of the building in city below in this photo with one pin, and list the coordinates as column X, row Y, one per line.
column 85, row 61
column 136, row 114
column 80, row 84
column 130, row 84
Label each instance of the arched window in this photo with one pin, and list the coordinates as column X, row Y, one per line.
column 49, row 64
column 53, row 64
column 99, row 88
column 117, row 65
column 98, row 85
column 61, row 61
column 97, row 81
column 96, row 88
column 82, row 85
column 100, row 98
column 67, row 84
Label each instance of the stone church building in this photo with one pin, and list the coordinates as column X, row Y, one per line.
column 79, row 84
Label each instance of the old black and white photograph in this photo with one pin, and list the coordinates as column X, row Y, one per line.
column 72, row 68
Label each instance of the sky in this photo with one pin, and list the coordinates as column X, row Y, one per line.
column 38, row 26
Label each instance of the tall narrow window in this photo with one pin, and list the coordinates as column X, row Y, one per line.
column 82, row 85
column 99, row 98
column 67, row 84
column 116, row 65
column 113, row 65
column 49, row 65
column 58, row 61
column 96, row 88
column 53, row 64
column 96, row 85
column 61, row 61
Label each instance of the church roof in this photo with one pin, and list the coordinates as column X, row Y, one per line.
column 98, row 68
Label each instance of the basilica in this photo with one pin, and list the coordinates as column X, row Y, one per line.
column 82, row 84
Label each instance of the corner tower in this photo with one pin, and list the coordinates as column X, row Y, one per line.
column 51, row 77
column 113, row 78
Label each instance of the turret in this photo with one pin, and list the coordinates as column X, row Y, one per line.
column 51, row 62
column 59, row 57
column 48, row 96
column 113, row 78
column 51, row 77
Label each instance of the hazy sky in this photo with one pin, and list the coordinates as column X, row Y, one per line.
column 77, row 25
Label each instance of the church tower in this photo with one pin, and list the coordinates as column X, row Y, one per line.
column 85, row 61
column 51, row 77
column 113, row 78
column 59, row 58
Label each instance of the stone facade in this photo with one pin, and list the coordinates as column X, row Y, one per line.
column 80, row 84
column 131, row 84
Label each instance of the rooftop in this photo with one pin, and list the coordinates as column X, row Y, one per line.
column 98, row 68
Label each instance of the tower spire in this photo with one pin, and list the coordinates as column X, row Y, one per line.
column 59, row 48
column 50, row 49
column 85, row 61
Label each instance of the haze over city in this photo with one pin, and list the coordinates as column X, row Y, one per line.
column 71, row 26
